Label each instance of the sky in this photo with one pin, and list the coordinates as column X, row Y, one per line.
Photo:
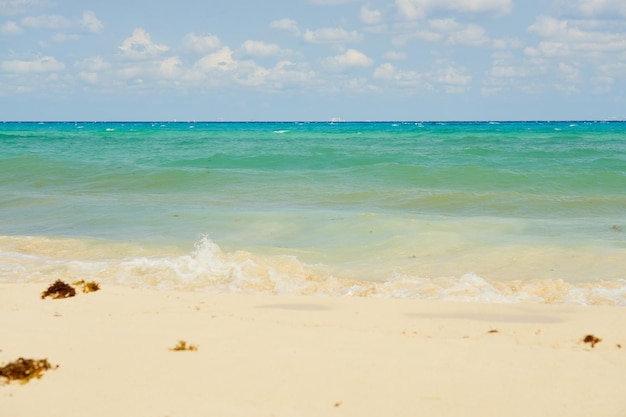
column 275, row 60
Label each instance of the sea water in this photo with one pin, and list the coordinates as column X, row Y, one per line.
column 495, row 212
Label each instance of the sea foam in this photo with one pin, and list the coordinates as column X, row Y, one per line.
column 207, row 268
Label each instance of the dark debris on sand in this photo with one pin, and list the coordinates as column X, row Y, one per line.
column 59, row 289
column 183, row 346
column 87, row 286
column 592, row 340
column 23, row 370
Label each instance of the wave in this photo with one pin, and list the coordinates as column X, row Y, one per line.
column 209, row 268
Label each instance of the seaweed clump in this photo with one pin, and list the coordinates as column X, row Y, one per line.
column 23, row 370
column 592, row 340
column 87, row 286
column 182, row 346
column 59, row 289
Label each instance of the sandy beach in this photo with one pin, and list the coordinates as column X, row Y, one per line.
column 263, row 355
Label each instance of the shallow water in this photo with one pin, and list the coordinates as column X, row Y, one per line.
column 507, row 212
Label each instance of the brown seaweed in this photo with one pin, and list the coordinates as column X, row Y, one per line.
column 59, row 289
column 23, row 370
column 592, row 340
column 182, row 346
column 87, row 286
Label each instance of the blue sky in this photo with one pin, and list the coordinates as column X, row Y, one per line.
column 312, row 60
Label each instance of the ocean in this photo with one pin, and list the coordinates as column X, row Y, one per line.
column 515, row 212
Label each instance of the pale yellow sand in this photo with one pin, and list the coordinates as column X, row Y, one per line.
column 308, row 356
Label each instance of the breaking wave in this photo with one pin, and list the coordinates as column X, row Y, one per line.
column 209, row 268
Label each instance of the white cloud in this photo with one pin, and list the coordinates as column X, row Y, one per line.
column 444, row 25
column 387, row 72
column 132, row 72
column 470, row 35
column 287, row 73
column 140, row 46
column 90, row 77
column 507, row 43
column 221, row 69
column 418, row 9
column 253, row 75
column 170, row 67
column 11, row 28
column 65, row 37
column 453, row 32
column 261, row 49
column 214, row 70
column 90, row 22
column 410, row 9
column 92, row 64
column 569, row 72
column 46, row 22
column 396, row 56
column 221, row 60
column 201, row 44
column 288, row 25
column 274, row 78
column 41, row 64
column 564, row 38
column 614, row 69
column 453, row 78
column 331, row 35
column 350, row 58
column 13, row 7
column 599, row 8
column 428, row 36
column 549, row 50
column 370, row 16
column 549, row 27
column 508, row 72
column 502, row 70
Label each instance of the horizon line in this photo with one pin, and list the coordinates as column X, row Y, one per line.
column 326, row 121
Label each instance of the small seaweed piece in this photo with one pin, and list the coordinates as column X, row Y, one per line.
column 91, row 286
column 87, row 286
column 182, row 346
column 59, row 289
column 591, row 339
column 24, row 370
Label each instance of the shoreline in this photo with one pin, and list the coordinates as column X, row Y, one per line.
column 281, row 355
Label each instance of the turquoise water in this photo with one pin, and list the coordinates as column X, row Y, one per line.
column 496, row 212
